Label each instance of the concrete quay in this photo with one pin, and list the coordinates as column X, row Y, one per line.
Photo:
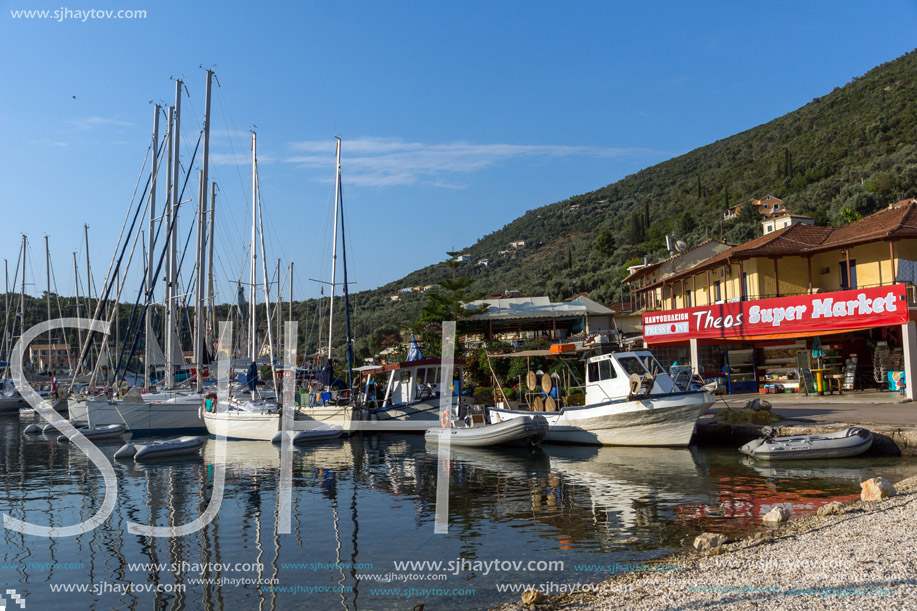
column 891, row 418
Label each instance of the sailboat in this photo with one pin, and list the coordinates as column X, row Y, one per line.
column 172, row 411
column 10, row 399
column 255, row 417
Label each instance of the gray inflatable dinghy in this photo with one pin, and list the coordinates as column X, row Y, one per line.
column 526, row 431
column 841, row 444
column 109, row 431
column 162, row 449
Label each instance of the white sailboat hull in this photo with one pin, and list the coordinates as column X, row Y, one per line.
column 179, row 416
column 251, row 426
column 662, row 420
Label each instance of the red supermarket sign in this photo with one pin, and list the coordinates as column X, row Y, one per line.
column 856, row 309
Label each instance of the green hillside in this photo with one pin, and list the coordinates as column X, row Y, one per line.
column 851, row 151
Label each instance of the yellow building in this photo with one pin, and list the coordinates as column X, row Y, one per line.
column 800, row 260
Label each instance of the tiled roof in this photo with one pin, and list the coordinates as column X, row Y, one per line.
column 897, row 221
column 644, row 270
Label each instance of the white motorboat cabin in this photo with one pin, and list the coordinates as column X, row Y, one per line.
column 406, row 382
column 608, row 375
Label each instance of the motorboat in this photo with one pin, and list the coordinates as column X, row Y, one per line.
column 527, row 431
column 840, row 444
column 162, row 449
column 402, row 396
column 630, row 401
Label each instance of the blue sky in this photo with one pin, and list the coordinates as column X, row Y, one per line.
column 456, row 117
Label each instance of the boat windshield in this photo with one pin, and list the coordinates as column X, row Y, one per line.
column 632, row 365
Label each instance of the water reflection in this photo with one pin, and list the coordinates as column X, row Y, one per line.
column 362, row 504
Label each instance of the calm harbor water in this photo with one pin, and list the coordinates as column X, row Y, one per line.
column 360, row 506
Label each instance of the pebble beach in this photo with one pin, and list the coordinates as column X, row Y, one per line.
column 860, row 559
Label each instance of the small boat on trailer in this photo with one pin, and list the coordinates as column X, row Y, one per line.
column 166, row 448
column 325, row 432
column 524, row 431
column 841, row 444
column 111, row 431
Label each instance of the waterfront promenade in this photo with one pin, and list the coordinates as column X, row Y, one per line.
column 891, row 418
column 855, row 407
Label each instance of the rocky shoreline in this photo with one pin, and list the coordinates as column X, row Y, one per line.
column 861, row 556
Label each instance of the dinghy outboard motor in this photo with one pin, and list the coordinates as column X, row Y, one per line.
column 768, row 432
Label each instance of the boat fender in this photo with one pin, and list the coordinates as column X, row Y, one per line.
column 127, row 451
column 209, row 401
column 48, row 428
column 31, row 429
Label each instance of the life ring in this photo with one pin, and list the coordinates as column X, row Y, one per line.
column 209, row 401
column 445, row 420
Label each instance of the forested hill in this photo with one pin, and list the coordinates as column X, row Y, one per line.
column 847, row 153
column 851, row 151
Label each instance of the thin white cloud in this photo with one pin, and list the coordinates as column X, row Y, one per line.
column 87, row 123
column 385, row 162
column 242, row 159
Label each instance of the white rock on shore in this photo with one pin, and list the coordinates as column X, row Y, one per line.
column 776, row 515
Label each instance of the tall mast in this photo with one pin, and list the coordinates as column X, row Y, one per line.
column 76, row 284
column 201, row 232
column 22, row 291
column 148, row 318
column 167, row 211
column 213, row 203
column 48, row 294
column 173, row 242
column 88, row 290
column 296, row 340
column 267, row 296
column 6, row 315
column 279, row 307
column 88, row 271
column 346, row 291
column 334, row 241
column 117, row 311
column 251, row 287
